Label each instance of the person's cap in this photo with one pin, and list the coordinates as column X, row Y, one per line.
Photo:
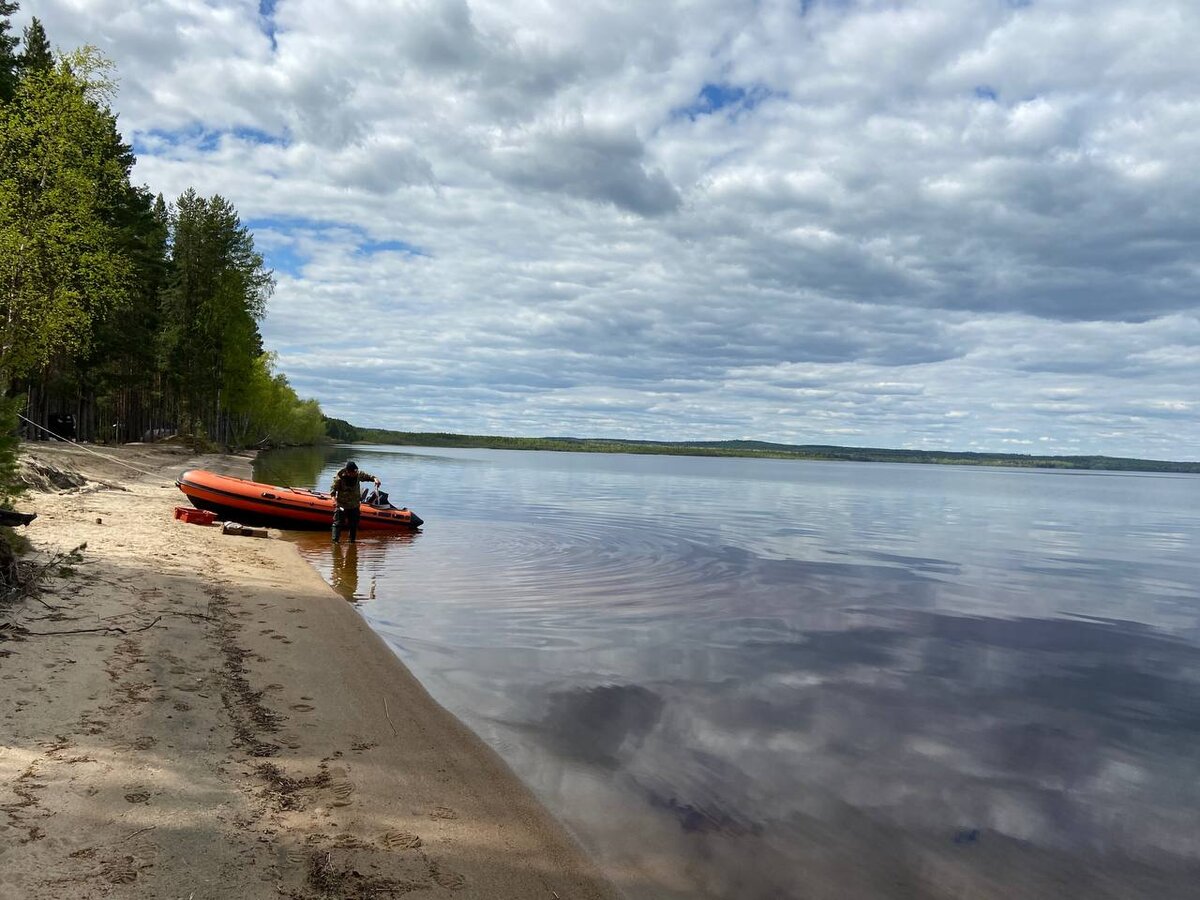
column 352, row 465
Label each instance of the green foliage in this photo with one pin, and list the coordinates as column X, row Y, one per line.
column 214, row 298
column 9, row 62
column 341, row 431
column 124, row 347
column 61, row 165
column 36, row 55
column 139, row 317
column 270, row 414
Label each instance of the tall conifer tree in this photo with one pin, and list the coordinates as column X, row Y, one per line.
column 212, row 305
column 36, row 55
column 9, row 61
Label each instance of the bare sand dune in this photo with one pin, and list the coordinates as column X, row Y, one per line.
column 185, row 714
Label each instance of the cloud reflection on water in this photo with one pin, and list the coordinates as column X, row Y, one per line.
column 742, row 679
column 860, row 757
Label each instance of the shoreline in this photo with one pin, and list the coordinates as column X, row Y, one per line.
column 198, row 715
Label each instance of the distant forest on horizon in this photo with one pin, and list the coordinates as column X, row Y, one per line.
column 341, row 430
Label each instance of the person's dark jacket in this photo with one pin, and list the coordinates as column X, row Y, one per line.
column 345, row 486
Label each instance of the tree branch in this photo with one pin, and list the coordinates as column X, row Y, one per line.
column 117, row 628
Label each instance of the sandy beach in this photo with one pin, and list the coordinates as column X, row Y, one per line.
column 187, row 714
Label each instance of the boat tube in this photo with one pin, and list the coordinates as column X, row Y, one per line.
column 254, row 503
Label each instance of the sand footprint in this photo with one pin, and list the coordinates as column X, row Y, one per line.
column 341, row 786
column 120, row 870
column 342, row 791
column 443, row 812
column 293, row 855
column 451, row 881
column 400, row 840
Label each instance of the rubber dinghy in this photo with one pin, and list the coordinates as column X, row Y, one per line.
column 254, row 503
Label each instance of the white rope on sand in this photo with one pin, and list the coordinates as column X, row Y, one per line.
column 119, row 462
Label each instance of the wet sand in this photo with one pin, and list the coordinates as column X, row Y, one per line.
column 194, row 715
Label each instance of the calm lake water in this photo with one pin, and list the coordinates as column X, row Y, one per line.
column 756, row 679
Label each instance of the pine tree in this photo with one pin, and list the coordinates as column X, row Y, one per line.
column 9, row 62
column 211, row 308
column 36, row 55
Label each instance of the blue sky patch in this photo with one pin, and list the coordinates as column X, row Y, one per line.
column 983, row 92
column 276, row 239
column 370, row 247
column 282, row 258
column 206, row 139
column 716, row 97
column 266, row 15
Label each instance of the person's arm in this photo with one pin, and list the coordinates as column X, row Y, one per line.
column 367, row 476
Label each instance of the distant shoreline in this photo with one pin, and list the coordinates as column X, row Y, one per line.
column 758, row 450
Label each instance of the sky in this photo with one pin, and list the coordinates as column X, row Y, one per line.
column 962, row 224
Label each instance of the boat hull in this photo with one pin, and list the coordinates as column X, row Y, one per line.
column 255, row 503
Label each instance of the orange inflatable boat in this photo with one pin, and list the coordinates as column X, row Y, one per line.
column 253, row 503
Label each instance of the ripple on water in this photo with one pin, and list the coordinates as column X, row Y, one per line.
column 862, row 678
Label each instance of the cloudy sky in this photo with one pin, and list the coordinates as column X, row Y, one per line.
column 963, row 224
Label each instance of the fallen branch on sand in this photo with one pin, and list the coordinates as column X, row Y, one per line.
column 116, row 628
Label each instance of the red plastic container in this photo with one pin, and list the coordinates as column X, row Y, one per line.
column 195, row 516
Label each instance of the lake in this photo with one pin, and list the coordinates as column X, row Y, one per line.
column 745, row 678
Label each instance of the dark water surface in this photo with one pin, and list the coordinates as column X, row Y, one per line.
column 774, row 679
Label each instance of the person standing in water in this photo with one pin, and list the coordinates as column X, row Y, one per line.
column 347, row 497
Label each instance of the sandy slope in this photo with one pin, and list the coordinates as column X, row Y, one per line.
column 186, row 714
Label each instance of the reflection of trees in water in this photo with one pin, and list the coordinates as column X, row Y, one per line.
column 295, row 466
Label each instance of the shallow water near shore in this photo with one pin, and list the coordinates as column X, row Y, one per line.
column 740, row 678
